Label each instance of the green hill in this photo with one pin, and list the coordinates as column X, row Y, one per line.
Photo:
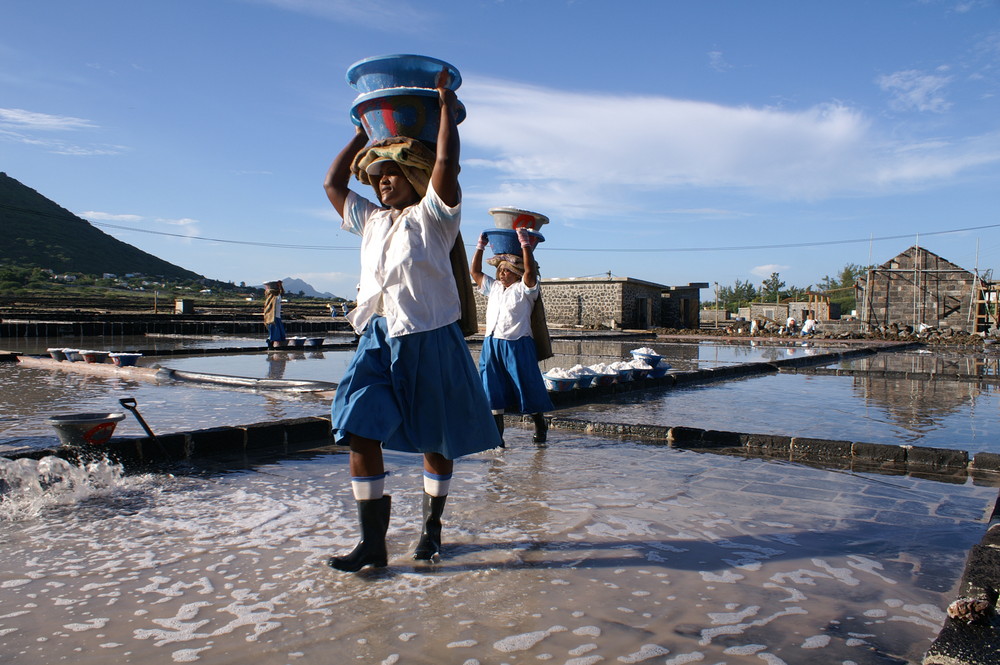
column 39, row 233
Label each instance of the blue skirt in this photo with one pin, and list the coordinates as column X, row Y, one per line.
column 511, row 378
column 276, row 331
column 417, row 393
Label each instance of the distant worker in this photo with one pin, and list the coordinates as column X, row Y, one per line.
column 790, row 325
column 272, row 314
column 809, row 327
column 754, row 327
column 508, row 363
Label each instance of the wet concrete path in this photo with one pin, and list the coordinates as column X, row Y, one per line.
column 584, row 550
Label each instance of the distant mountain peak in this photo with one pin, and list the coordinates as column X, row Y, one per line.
column 293, row 285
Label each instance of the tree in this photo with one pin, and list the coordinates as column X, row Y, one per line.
column 840, row 289
column 796, row 292
column 770, row 288
column 737, row 295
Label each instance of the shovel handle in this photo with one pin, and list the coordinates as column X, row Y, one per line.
column 130, row 404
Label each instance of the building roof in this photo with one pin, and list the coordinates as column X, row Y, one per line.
column 612, row 280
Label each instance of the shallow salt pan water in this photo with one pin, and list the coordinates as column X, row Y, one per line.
column 582, row 551
column 944, row 414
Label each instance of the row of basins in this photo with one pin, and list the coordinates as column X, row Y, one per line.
column 943, row 413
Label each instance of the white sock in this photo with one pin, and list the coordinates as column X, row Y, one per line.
column 367, row 488
column 436, row 485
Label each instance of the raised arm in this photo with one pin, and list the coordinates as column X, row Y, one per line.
column 444, row 177
column 339, row 174
column 530, row 277
column 476, row 267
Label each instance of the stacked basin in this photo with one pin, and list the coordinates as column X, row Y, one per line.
column 398, row 95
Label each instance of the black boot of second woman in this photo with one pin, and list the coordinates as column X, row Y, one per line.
column 374, row 518
column 430, row 536
column 498, row 419
column 541, row 428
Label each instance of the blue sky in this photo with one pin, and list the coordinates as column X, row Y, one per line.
column 668, row 141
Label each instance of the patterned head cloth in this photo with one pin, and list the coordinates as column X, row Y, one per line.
column 414, row 158
column 511, row 262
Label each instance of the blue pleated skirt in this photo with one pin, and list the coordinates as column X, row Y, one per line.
column 511, row 378
column 417, row 393
column 276, row 331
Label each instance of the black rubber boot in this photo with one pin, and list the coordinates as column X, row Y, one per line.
column 430, row 536
column 374, row 518
column 498, row 418
column 541, row 428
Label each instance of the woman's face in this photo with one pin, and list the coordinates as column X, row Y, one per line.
column 394, row 189
column 507, row 277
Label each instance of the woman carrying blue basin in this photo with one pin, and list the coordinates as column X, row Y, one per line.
column 273, row 292
column 508, row 364
column 412, row 385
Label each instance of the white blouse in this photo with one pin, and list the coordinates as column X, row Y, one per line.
column 508, row 310
column 406, row 272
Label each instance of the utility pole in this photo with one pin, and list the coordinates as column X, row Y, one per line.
column 716, row 304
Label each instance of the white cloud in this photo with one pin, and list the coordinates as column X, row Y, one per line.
column 718, row 62
column 915, row 90
column 109, row 217
column 388, row 15
column 186, row 222
column 32, row 128
column 766, row 270
column 594, row 155
column 31, row 120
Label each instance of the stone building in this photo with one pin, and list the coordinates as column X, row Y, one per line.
column 919, row 287
column 820, row 307
column 615, row 302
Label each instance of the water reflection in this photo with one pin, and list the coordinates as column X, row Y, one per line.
column 276, row 362
column 929, row 362
column 946, row 414
column 921, row 407
column 938, row 413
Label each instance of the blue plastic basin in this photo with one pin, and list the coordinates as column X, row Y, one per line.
column 504, row 241
column 400, row 71
column 412, row 112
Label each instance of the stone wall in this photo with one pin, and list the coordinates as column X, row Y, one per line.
column 601, row 302
column 918, row 287
column 680, row 306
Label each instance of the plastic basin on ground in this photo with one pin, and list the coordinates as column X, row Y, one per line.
column 651, row 359
column 85, row 429
column 659, row 370
column 640, row 372
column 95, row 356
column 125, row 359
column 559, row 384
column 604, row 379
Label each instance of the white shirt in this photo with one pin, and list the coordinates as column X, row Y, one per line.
column 808, row 325
column 508, row 310
column 405, row 266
